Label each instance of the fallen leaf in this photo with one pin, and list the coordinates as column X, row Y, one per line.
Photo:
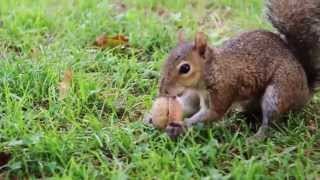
column 312, row 125
column 103, row 41
column 4, row 158
column 160, row 11
column 65, row 84
column 120, row 7
column 34, row 53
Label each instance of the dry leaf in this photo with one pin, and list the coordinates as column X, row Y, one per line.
column 65, row 84
column 120, row 7
column 34, row 53
column 104, row 41
column 312, row 125
column 160, row 11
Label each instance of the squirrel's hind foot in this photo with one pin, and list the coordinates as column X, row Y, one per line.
column 261, row 135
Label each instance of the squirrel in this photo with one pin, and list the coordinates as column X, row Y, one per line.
column 274, row 72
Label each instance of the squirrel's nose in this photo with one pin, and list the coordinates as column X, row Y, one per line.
column 180, row 94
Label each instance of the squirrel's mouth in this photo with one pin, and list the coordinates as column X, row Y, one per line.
column 177, row 91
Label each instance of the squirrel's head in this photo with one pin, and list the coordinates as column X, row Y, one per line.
column 183, row 68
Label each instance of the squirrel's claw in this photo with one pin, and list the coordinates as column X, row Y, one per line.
column 261, row 135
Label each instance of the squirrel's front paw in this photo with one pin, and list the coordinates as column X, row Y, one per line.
column 188, row 122
column 175, row 129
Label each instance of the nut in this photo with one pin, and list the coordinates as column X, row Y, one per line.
column 175, row 111
column 159, row 113
column 166, row 110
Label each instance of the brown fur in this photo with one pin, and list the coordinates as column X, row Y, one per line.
column 245, row 66
column 299, row 22
column 256, row 66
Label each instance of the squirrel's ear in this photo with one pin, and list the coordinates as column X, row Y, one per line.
column 200, row 43
column 181, row 36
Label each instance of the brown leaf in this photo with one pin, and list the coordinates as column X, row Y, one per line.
column 65, row 84
column 103, row 41
column 160, row 11
column 120, row 7
column 312, row 125
column 34, row 53
column 4, row 158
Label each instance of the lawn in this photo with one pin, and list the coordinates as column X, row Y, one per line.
column 92, row 128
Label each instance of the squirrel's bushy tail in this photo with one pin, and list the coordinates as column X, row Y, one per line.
column 299, row 23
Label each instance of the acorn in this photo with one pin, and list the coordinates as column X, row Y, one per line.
column 166, row 110
column 160, row 112
column 175, row 111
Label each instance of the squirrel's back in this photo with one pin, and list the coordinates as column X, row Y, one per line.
column 253, row 60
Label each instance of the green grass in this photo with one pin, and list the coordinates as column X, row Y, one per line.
column 97, row 131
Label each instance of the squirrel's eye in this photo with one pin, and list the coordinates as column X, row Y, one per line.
column 184, row 69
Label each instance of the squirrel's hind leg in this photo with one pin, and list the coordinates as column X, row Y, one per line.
column 271, row 108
